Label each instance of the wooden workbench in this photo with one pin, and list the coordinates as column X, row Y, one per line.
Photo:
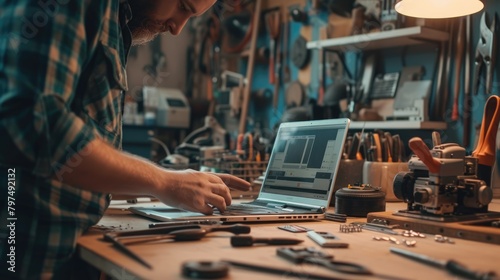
column 167, row 257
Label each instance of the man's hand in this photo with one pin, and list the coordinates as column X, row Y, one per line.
column 199, row 191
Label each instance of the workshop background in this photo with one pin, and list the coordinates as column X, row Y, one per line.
column 203, row 62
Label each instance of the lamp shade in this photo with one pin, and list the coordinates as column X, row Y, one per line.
column 438, row 8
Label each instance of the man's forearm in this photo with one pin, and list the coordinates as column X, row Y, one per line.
column 101, row 168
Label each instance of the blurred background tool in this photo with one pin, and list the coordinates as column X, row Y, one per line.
column 485, row 150
column 459, row 55
column 449, row 265
column 486, row 52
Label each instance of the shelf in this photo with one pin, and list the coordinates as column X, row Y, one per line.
column 387, row 125
column 384, row 39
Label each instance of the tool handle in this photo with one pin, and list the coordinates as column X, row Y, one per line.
column 486, row 148
column 422, row 151
column 460, row 270
column 272, row 47
column 236, row 229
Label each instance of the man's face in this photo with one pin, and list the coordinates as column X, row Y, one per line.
column 153, row 17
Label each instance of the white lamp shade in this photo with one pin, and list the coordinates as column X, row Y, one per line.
column 438, row 8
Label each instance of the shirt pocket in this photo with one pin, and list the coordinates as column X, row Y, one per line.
column 105, row 88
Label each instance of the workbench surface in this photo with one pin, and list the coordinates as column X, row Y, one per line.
column 167, row 257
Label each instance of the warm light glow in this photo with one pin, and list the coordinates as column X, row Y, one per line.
column 438, row 8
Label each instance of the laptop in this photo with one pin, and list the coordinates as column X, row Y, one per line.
column 298, row 181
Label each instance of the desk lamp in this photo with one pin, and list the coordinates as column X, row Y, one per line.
column 438, row 8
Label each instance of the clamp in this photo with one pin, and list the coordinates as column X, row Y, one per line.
column 485, row 52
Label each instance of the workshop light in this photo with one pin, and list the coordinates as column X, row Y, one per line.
column 438, row 8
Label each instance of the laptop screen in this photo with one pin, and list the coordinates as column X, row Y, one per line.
column 304, row 161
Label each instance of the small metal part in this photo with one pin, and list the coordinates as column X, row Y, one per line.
column 350, row 228
column 410, row 243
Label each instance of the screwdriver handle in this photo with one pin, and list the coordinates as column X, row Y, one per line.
column 460, row 270
column 236, row 229
column 247, row 241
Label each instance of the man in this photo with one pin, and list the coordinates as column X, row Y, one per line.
column 62, row 79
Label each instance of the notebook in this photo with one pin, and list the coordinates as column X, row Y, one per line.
column 298, row 181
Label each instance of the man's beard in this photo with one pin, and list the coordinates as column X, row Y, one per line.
column 143, row 29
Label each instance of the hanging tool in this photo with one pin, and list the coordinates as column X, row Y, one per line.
column 273, row 23
column 459, row 55
column 485, row 150
column 467, row 98
column 313, row 256
column 485, row 53
column 449, row 265
column 285, row 65
column 250, row 67
column 444, row 102
column 277, row 71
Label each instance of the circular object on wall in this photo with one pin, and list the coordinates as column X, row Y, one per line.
column 300, row 53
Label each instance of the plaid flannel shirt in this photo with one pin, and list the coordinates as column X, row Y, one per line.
column 62, row 79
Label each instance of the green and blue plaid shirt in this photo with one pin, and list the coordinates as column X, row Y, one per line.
column 62, row 78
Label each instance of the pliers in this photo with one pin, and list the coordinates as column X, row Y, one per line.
column 485, row 52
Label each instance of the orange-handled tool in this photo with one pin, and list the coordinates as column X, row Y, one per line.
column 418, row 146
column 485, row 150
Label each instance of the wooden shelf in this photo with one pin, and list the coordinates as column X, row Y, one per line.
column 387, row 125
column 384, row 39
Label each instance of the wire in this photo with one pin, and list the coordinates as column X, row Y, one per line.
column 159, row 142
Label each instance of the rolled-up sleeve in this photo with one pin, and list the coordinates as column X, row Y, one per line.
column 42, row 49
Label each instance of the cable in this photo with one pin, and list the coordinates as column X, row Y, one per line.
column 159, row 142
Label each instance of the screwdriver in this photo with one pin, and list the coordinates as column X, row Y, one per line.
column 246, row 241
column 449, row 265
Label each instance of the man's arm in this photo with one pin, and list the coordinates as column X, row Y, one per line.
column 101, row 168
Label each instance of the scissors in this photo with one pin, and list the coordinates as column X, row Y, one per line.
column 314, row 256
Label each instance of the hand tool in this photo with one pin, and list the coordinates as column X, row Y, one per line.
column 459, row 55
column 281, row 271
column 388, row 146
column 250, row 66
column 467, row 98
column 449, row 265
column 273, row 28
column 485, row 150
column 354, row 147
column 236, row 229
column 286, row 76
column 485, row 53
column 177, row 233
column 446, row 93
column 277, row 71
column 247, row 241
column 313, row 256
column 396, row 152
column 378, row 147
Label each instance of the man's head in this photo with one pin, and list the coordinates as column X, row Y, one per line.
column 153, row 17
